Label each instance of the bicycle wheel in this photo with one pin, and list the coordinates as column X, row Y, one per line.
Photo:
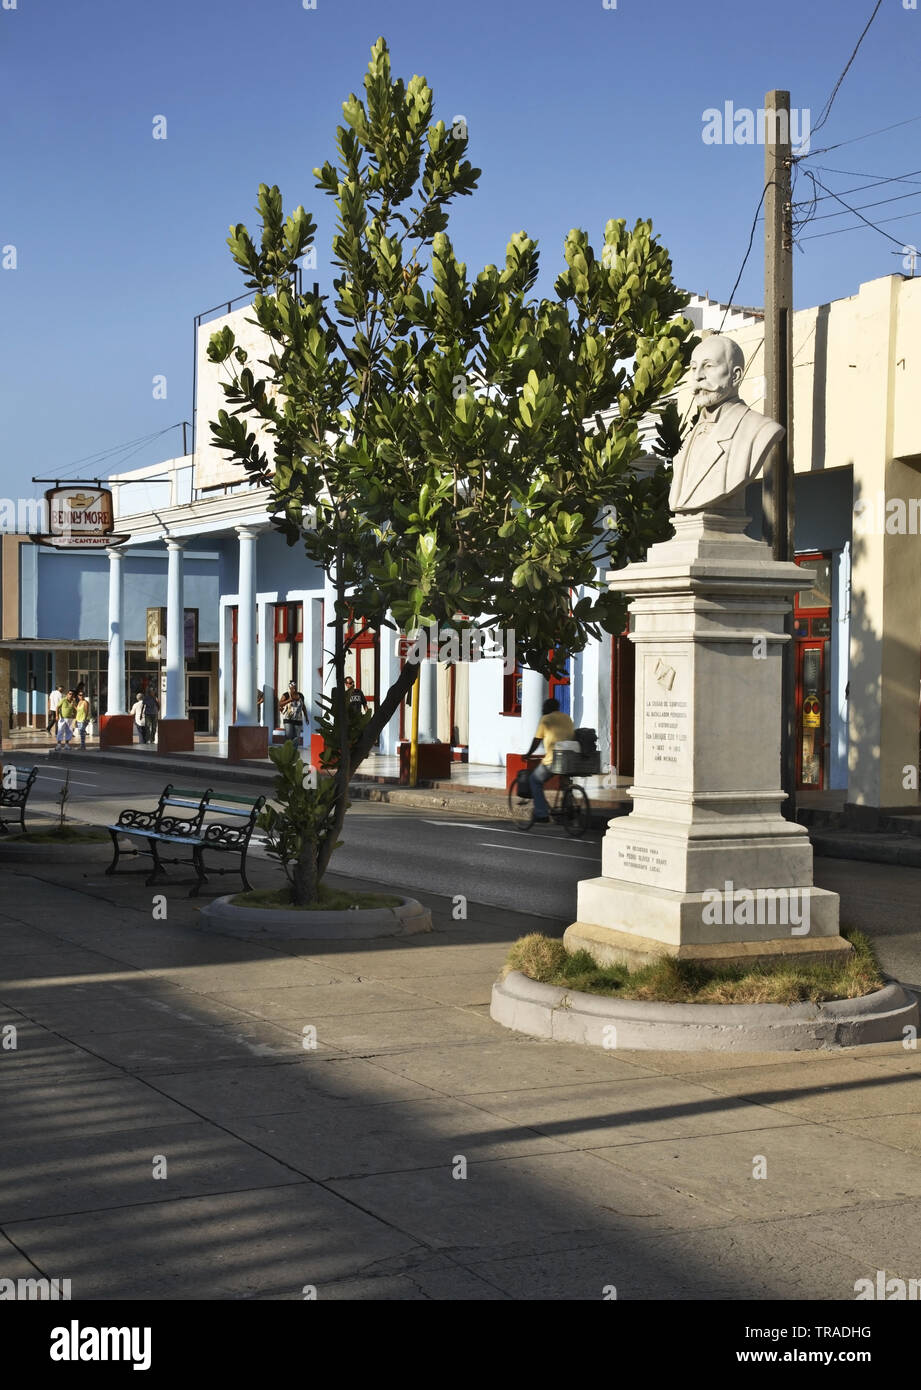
column 520, row 809
column 577, row 812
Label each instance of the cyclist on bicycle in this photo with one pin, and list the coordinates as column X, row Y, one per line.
column 553, row 728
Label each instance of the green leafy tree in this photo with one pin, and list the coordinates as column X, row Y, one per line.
column 443, row 446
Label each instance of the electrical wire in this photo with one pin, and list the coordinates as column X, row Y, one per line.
column 751, row 242
column 107, row 455
column 899, row 197
column 905, row 217
column 856, row 139
column 878, row 180
column 853, row 210
column 826, row 109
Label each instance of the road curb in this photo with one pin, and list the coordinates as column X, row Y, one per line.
column 562, row 1015
column 905, row 852
column 406, row 919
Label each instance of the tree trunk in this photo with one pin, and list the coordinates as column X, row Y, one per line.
column 305, row 881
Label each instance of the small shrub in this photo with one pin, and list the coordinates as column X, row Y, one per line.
column 537, row 956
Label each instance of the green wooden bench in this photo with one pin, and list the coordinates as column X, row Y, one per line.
column 163, row 829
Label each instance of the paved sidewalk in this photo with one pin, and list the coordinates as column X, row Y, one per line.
column 419, row 1151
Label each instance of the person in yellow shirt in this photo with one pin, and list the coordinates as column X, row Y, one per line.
column 81, row 719
column 553, row 728
column 66, row 711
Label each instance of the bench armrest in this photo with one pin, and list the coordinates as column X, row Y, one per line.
column 137, row 820
column 178, row 825
column 227, row 836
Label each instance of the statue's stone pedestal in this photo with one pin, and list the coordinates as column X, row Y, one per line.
column 705, row 867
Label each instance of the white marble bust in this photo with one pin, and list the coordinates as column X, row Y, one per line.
column 729, row 443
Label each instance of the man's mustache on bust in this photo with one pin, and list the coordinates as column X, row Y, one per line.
column 705, row 398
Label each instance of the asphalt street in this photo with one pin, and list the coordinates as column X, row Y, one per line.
column 496, row 863
column 488, row 861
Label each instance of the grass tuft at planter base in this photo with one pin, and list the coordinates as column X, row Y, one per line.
column 329, row 900
column 66, row 835
column 668, row 981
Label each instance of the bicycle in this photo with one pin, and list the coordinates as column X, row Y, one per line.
column 571, row 807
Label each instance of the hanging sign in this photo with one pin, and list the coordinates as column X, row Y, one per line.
column 81, row 516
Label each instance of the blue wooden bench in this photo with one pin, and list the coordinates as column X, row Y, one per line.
column 162, row 829
column 14, row 793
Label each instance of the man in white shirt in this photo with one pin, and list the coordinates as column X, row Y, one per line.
column 54, row 701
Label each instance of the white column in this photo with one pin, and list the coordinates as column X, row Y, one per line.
column 225, row 681
column 175, row 632
column 428, row 701
column 533, row 695
column 311, row 672
column 265, row 659
column 246, row 626
column 115, row 694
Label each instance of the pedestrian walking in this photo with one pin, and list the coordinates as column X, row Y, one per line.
column 54, row 702
column 67, row 710
column 81, row 719
column 151, row 714
column 293, row 713
column 139, row 714
column 355, row 696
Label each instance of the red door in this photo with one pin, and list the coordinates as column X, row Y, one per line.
column 363, row 660
column 812, row 631
column 289, row 638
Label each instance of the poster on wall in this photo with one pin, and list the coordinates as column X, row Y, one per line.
column 190, row 633
column 156, row 634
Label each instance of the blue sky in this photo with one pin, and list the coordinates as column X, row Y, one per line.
column 576, row 113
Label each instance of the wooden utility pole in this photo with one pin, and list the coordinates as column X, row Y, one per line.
column 779, row 514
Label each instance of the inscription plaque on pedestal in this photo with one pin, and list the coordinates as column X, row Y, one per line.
column 666, row 713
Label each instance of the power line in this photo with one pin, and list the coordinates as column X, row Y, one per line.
column 861, row 174
column 899, row 197
column 104, row 455
column 856, row 139
column 878, row 183
column 751, row 242
column 826, row 109
column 851, row 209
column 905, row 217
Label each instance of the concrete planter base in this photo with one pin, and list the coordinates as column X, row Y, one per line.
column 175, row 736
column 247, row 741
column 407, row 918
column 547, row 1011
column 116, row 731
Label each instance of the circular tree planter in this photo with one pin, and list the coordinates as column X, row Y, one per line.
column 564, row 1015
column 349, row 924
